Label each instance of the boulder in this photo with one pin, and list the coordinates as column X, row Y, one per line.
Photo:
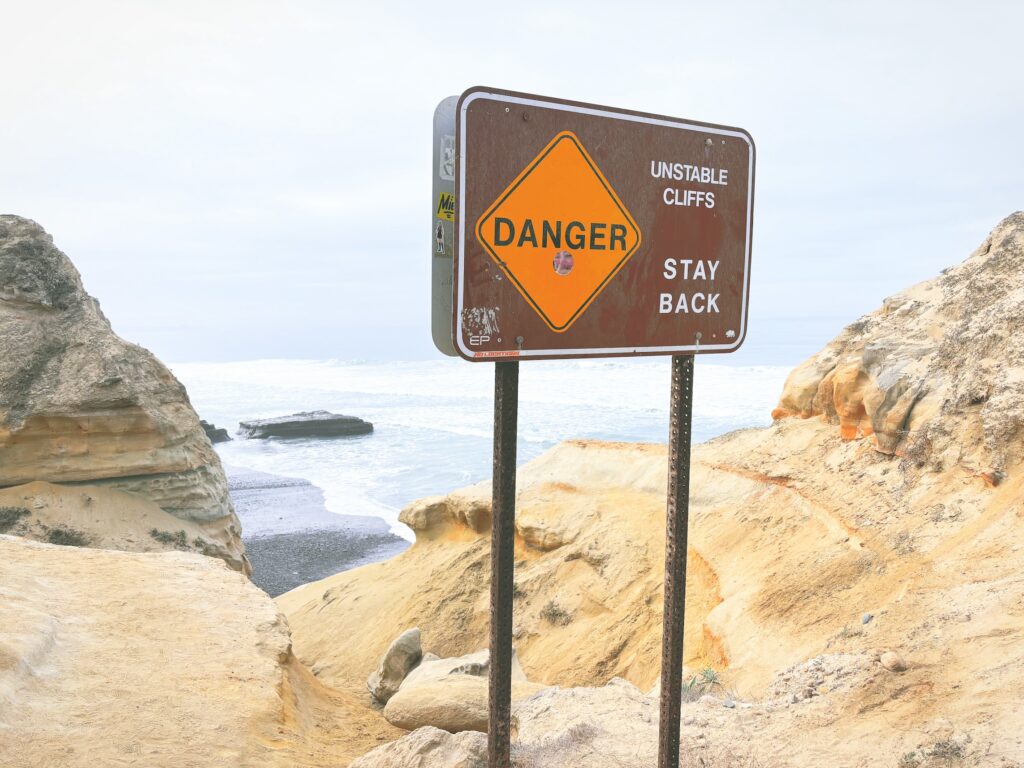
column 306, row 424
column 453, row 703
column 215, row 433
column 78, row 404
column 429, row 748
column 451, row 693
column 893, row 662
column 432, row 669
column 402, row 656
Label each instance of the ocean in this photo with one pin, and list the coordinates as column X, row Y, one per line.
column 433, row 419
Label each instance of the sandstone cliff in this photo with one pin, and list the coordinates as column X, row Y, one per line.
column 160, row 660
column 936, row 374
column 814, row 555
column 80, row 405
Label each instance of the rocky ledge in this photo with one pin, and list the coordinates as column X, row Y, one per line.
column 306, row 424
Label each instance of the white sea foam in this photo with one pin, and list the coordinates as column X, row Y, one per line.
column 433, row 419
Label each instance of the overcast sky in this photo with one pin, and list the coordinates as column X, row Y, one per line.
column 252, row 179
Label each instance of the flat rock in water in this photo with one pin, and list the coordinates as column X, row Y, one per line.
column 306, row 424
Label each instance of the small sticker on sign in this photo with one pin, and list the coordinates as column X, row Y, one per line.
column 439, row 238
column 563, row 263
column 446, row 161
column 446, row 206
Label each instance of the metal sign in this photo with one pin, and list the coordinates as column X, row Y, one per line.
column 585, row 231
column 535, row 232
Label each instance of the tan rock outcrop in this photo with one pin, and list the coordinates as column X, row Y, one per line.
column 813, row 716
column 615, row 724
column 164, row 660
column 935, row 373
column 796, row 534
column 80, row 405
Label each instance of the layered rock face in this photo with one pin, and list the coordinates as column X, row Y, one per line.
column 860, row 605
column 936, row 364
column 79, row 404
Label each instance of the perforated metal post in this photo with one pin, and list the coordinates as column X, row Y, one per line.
column 678, row 517
column 503, row 521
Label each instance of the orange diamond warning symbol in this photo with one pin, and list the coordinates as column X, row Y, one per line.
column 559, row 231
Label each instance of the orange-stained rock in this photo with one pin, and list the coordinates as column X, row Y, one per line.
column 931, row 375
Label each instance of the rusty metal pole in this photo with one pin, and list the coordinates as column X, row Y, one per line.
column 503, row 528
column 679, row 433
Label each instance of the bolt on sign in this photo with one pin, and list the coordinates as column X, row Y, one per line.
column 586, row 231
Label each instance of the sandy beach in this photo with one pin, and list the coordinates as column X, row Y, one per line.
column 292, row 538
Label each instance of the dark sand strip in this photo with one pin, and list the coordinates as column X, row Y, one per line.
column 293, row 539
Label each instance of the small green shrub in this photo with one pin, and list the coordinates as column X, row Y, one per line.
column 703, row 682
column 948, row 750
column 910, row 760
column 179, row 540
column 9, row 517
column 555, row 614
column 66, row 537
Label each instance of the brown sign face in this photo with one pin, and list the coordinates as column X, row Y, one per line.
column 585, row 231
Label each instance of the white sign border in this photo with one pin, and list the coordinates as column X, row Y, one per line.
column 592, row 352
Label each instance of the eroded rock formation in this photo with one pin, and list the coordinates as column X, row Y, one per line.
column 78, row 404
column 935, row 374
